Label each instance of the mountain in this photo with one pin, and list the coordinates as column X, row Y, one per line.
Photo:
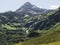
column 38, row 25
column 50, row 36
column 22, row 17
column 30, row 9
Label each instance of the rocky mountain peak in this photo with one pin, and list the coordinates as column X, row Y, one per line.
column 26, row 6
column 30, row 9
column 27, row 3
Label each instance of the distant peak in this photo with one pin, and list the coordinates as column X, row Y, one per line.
column 27, row 3
column 29, row 8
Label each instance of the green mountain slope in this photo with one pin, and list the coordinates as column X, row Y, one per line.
column 51, row 36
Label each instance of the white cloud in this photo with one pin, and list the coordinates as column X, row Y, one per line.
column 54, row 6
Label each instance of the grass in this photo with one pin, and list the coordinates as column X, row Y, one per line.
column 8, row 27
column 53, row 43
column 18, row 43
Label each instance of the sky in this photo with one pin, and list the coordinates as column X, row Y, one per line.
column 7, row 5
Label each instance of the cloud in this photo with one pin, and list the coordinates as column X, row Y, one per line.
column 54, row 6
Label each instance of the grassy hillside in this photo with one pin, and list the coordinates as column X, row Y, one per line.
column 51, row 37
column 53, row 43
